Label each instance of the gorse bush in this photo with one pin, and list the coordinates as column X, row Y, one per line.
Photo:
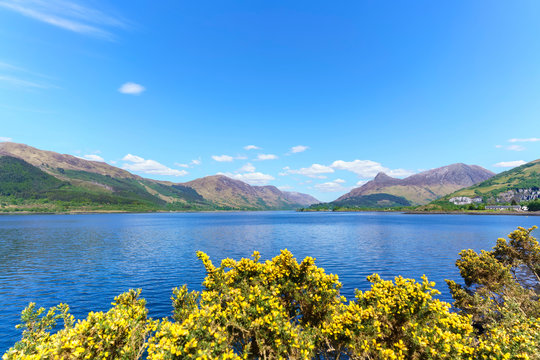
column 281, row 308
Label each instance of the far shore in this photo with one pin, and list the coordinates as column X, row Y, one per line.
column 409, row 212
column 515, row 213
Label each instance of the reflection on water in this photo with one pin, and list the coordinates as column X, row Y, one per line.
column 86, row 260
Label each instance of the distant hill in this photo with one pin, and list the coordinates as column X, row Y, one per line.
column 373, row 201
column 38, row 180
column 519, row 184
column 299, row 198
column 227, row 192
column 50, row 161
column 417, row 189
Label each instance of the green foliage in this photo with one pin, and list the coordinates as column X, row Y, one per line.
column 19, row 178
column 363, row 203
column 521, row 177
column 503, row 307
column 374, row 201
column 121, row 333
column 534, row 205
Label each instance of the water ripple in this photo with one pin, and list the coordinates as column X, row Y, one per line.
column 86, row 260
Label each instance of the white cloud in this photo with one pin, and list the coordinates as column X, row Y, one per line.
column 67, row 15
column 241, row 157
column 368, row 168
column 362, row 168
column 222, row 158
column 131, row 88
column 253, row 178
column 340, row 181
column 3, row 138
column 510, row 164
column 313, row 171
column 139, row 164
column 93, row 157
column 251, row 147
column 247, row 168
column 400, row 173
column 192, row 163
column 332, row 186
column 361, row 182
column 266, row 157
column 511, row 147
column 524, row 140
column 515, row 148
column 299, row 149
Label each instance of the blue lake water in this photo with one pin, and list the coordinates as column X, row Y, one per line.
column 86, row 260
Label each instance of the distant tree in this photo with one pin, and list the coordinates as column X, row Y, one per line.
column 534, row 205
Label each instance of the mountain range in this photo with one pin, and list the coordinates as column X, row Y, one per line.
column 39, row 180
column 520, row 184
column 417, row 189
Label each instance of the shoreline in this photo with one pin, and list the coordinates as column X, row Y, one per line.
column 410, row 212
column 513, row 213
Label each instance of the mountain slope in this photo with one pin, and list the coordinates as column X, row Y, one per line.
column 20, row 179
column 30, row 173
column 235, row 194
column 50, row 161
column 521, row 183
column 299, row 198
column 420, row 188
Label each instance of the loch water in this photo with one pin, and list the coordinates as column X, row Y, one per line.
column 86, row 260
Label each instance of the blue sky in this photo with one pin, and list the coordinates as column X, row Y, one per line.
column 309, row 96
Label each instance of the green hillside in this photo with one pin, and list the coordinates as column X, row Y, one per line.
column 379, row 200
column 373, row 201
column 45, row 181
column 518, row 185
column 526, row 176
column 24, row 187
column 20, row 179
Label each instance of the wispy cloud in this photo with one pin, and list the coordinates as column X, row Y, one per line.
column 368, row 168
column 252, row 178
column 18, row 77
column 68, row 15
column 139, row 164
column 251, row 147
column 314, row 171
column 262, row 157
column 3, row 138
column 510, row 164
column 192, row 163
column 524, row 140
column 222, row 158
column 131, row 88
column 511, row 147
column 333, row 186
column 15, row 81
column 93, row 157
column 247, row 168
column 298, row 149
column 361, row 182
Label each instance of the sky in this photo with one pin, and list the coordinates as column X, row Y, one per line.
column 309, row 96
